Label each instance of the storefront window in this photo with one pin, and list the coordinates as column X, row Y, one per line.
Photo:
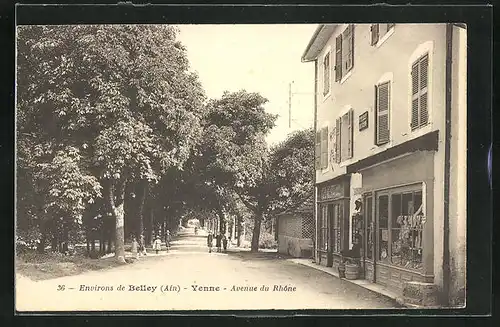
column 383, row 227
column 369, row 227
column 406, row 229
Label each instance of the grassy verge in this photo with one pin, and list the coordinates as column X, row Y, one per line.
column 52, row 265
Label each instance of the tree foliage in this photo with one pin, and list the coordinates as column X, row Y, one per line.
column 121, row 96
column 104, row 111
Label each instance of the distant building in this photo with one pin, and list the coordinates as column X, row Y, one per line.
column 295, row 229
column 390, row 115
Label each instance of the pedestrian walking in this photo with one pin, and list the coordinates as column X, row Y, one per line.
column 157, row 244
column 224, row 243
column 168, row 240
column 210, row 239
column 218, row 240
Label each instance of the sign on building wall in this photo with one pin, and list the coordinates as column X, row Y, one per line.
column 333, row 191
column 363, row 121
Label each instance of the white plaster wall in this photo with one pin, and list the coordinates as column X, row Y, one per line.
column 390, row 61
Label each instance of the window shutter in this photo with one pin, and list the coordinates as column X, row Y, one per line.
column 326, row 74
column 351, row 48
column 383, row 104
column 374, row 30
column 347, row 49
column 350, row 134
column 338, row 125
column 414, row 95
column 318, row 150
column 324, row 148
column 338, row 58
column 344, row 137
column 424, row 80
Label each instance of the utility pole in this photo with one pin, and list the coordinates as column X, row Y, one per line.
column 290, row 104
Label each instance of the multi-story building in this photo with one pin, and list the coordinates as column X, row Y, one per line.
column 390, row 120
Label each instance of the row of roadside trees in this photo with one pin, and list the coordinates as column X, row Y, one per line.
column 115, row 137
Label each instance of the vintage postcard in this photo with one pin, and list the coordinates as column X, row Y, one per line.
column 240, row 167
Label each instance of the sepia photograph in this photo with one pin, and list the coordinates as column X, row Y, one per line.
column 240, row 167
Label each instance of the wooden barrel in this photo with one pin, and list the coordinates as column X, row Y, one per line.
column 351, row 271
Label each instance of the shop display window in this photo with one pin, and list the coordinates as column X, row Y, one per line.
column 407, row 229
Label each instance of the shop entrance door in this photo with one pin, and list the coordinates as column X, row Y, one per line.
column 331, row 233
column 376, row 240
column 381, row 238
column 369, row 237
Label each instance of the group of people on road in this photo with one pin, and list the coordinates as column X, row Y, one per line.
column 220, row 241
column 139, row 248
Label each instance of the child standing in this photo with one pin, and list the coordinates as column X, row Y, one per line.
column 157, row 244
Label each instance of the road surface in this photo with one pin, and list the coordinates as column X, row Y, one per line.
column 190, row 278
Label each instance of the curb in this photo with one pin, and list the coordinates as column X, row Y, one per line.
column 357, row 282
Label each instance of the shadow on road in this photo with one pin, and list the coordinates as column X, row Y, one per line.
column 250, row 256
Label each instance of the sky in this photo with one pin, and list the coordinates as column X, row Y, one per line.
column 257, row 58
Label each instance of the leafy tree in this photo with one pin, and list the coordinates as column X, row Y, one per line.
column 68, row 191
column 280, row 179
column 122, row 95
column 237, row 158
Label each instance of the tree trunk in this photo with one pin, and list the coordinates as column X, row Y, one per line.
column 88, row 244
column 164, row 228
column 152, row 227
column 109, row 248
column 102, row 245
column 256, row 233
column 222, row 220
column 233, row 229
column 102, row 242
column 238, row 231
column 143, row 185
column 118, row 213
column 54, row 243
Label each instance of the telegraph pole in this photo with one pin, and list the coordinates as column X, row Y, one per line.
column 290, row 104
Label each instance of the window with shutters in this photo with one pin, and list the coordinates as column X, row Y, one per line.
column 380, row 33
column 419, row 92
column 321, row 151
column 326, row 74
column 382, row 112
column 344, row 53
column 344, row 137
column 324, row 148
column 318, row 151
